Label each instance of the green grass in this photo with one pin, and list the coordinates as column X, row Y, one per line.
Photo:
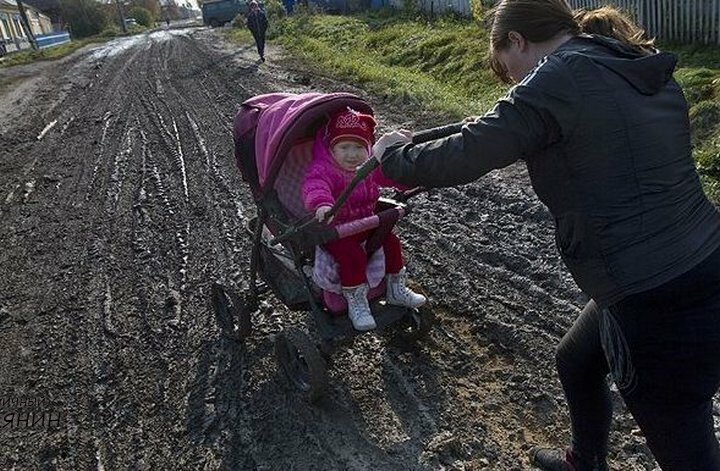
column 27, row 56
column 240, row 35
column 699, row 74
column 441, row 66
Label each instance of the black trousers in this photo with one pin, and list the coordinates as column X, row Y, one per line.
column 259, row 37
column 662, row 349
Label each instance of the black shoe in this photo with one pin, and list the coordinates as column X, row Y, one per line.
column 262, row 58
column 551, row 460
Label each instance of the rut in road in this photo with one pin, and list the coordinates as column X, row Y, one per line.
column 117, row 219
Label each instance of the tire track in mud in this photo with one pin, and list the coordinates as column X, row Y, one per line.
column 137, row 185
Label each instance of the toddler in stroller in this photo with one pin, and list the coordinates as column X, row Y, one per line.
column 340, row 147
column 284, row 148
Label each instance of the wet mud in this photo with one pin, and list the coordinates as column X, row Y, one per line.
column 120, row 206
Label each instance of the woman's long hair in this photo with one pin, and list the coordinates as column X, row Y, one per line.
column 610, row 22
column 542, row 20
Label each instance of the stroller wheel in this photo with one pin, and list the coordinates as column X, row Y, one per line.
column 232, row 313
column 418, row 324
column 302, row 363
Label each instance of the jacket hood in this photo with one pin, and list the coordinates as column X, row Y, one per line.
column 647, row 73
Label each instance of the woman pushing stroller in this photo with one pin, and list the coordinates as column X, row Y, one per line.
column 604, row 131
column 340, row 147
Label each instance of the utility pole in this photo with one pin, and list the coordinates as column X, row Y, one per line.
column 122, row 16
column 26, row 24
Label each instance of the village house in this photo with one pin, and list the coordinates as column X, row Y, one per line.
column 12, row 34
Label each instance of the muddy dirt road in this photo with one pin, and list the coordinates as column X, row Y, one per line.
column 119, row 206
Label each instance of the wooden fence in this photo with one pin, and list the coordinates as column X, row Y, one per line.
column 684, row 21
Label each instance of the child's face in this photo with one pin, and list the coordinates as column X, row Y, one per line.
column 349, row 153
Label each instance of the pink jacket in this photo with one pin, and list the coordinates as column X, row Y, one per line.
column 325, row 180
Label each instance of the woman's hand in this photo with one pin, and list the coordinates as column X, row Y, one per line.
column 402, row 136
column 321, row 213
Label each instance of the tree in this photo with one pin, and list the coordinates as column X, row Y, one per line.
column 141, row 15
column 171, row 10
column 85, row 17
column 153, row 6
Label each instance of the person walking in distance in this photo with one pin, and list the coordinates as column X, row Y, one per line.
column 257, row 23
column 603, row 129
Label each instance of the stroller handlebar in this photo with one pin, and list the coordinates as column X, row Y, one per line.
column 436, row 133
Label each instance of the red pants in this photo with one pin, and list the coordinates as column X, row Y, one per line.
column 352, row 259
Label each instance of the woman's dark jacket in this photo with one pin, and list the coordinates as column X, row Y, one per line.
column 605, row 135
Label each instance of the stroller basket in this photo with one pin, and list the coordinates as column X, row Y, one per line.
column 277, row 268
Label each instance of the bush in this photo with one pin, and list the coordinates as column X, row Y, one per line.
column 239, row 21
column 477, row 10
column 410, row 7
column 110, row 31
column 142, row 16
column 709, row 163
column 86, row 17
column 275, row 11
column 311, row 8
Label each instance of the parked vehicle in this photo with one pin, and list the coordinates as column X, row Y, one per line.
column 218, row 12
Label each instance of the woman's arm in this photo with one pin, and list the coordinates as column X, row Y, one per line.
column 535, row 114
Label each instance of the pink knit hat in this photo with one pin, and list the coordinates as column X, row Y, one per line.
column 351, row 124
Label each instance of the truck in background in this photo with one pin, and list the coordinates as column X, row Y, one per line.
column 218, row 12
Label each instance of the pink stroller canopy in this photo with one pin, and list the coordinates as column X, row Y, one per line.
column 283, row 120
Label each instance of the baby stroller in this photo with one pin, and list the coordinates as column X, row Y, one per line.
column 273, row 144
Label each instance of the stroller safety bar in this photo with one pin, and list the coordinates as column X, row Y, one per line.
column 347, row 229
column 365, row 224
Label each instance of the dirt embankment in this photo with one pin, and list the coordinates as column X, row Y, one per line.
column 120, row 204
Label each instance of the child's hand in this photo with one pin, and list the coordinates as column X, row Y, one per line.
column 321, row 213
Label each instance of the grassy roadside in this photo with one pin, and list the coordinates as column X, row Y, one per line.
column 56, row 52
column 699, row 75
column 442, row 66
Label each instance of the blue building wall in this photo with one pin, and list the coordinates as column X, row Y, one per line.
column 53, row 39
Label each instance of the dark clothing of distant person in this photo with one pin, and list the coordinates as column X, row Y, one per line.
column 257, row 23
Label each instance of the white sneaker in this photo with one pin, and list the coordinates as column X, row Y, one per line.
column 359, row 308
column 399, row 294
